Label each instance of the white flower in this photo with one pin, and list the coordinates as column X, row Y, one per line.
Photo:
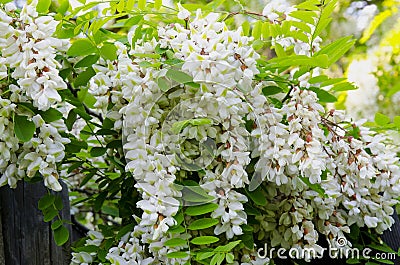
column 183, row 13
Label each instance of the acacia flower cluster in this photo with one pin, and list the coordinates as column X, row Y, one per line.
column 195, row 118
column 27, row 60
column 321, row 171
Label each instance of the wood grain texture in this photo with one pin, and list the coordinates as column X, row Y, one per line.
column 392, row 236
column 26, row 238
column 2, row 258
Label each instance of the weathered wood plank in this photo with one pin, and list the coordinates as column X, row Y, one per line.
column 392, row 236
column 2, row 258
column 27, row 239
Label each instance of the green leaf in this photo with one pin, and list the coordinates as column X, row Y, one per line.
column 121, row 6
column 87, row 61
column 83, row 114
column 179, row 76
column 300, row 60
column 323, row 95
column 163, row 84
column 332, row 81
column 201, row 209
column 228, row 247
column 178, row 126
column 58, row 203
column 106, row 132
column 49, row 214
column 175, row 242
column 345, row 86
column 108, row 51
column 114, row 144
column 217, row 259
column 61, row 235
column 157, row 4
column 280, row 52
column 110, row 210
column 204, row 255
column 230, row 258
column 177, row 230
column 46, row 201
column 248, row 240
column 203, row 223
column 306, row 16
column 246, row 28
column 43, row 6
column 257, row 196
column 271, row 90
column 177, row 255
column 381, row 119
column 23, row 128
column 309, row 5
column 318, row 79
column 196, row 194
column 383, row 248
column 258, row 44
column 69, row 122
column 315, row 187
column 56, row 224
column 124, row 230
column 256, row 32
column 63, row 7
column 141, row 4
column 337, row 49
column 81, row 47
column 98, row 151
column 204, row 240
column 396, row 121
column 83, row 78
column 51, row 115
column 100, row 198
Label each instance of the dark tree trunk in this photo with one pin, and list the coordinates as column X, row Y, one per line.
column 25, row 239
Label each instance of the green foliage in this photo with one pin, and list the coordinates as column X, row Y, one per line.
column 201, row 209
column 204, row 240
column 51, row 205
column 81, row 47
column 203, row 223
column 24, row 128
column 97, row 153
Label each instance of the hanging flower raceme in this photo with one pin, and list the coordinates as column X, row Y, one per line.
column 211, row 155
column 28, row 53
column 319, row 178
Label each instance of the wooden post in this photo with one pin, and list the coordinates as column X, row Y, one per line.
column 2, row 260
column 27, row 239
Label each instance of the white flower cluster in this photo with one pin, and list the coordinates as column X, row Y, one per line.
column 28, row 57
column 322, row 172
column 28, row 47
column 362, row 102
column 278, row 12
column 40, row 154
column 357, row 172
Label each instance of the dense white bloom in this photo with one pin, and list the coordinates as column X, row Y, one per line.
column 362, row 102
column 316, row 177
